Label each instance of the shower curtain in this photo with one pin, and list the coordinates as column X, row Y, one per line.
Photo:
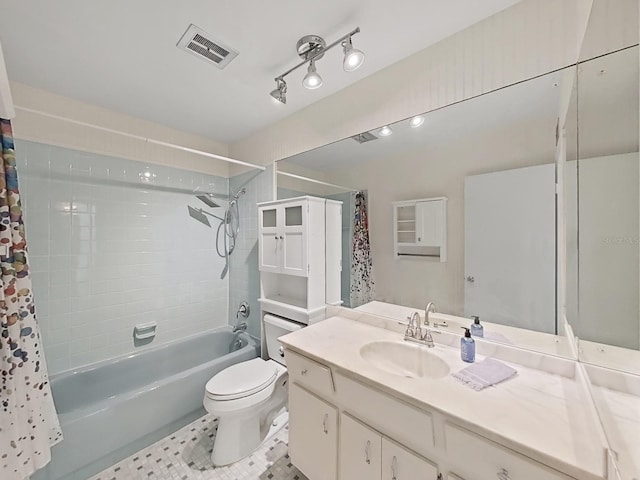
column 361, row 261
column 28, row 421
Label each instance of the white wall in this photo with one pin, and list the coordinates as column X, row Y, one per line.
column 37, row 128
column 433, row 172
column 108, row 251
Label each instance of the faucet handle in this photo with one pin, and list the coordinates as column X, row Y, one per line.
column 409, row 331
column 428, row 338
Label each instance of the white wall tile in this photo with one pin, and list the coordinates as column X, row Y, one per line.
column 106, row 255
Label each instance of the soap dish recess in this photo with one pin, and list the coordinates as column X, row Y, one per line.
column 143, row 331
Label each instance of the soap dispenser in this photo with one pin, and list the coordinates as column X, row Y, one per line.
column 477, row 330
column 467, row 347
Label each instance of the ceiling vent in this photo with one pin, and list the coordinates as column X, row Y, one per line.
column 364, row 137
column 204, row 46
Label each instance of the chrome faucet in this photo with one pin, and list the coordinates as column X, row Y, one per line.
column 413, row 333
column 431, row 307
column 240, row 327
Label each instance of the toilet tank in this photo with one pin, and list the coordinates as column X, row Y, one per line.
column 275, row 327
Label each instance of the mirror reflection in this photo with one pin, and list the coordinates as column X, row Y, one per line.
column 492, row 160
column 605, row 223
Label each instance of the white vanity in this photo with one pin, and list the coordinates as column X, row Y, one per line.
column 353, row 415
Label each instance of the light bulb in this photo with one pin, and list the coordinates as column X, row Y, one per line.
column 385, row 131
column 416, row 121
column 312, row 80
column 353, row 58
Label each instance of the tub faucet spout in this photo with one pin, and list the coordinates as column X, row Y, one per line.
column 240, row 327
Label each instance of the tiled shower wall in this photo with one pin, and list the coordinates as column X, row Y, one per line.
column 244, row 274
column 111, row 245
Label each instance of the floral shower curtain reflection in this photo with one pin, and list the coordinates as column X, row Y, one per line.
column 361, row 261
column 28, row 421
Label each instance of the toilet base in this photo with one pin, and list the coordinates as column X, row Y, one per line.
column 240, row 436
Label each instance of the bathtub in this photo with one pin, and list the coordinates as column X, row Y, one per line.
column 112, row 409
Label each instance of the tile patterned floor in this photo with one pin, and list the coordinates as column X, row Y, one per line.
column 185, row 455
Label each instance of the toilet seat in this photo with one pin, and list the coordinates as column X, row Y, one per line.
column 241, row 380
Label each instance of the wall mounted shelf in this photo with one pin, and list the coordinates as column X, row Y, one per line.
column 420, row 228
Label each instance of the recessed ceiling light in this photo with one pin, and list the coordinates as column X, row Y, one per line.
column 416, row 121
column 385, row 131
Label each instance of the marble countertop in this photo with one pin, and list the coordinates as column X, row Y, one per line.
column 617, row 397
column 537, row 413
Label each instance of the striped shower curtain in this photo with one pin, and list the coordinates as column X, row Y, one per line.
column 28, row 421
column 361, row 261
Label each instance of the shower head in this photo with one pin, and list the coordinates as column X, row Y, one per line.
column 206, row 199
column 198, row 215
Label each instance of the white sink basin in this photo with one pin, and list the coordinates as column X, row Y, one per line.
column 404, row 359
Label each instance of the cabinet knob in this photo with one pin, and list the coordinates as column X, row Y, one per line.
column 470, row 279
column 503, row 475
column 281, row 351
column 324, row 424
column 303, row 372
column 366, row 452
column 394, row 465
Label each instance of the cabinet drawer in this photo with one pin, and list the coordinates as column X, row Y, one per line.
column 407, row 424
column 360, row 450
column 481, row 459
column 310, row 374
column 398, row 463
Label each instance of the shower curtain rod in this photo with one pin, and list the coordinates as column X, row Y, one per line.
column 300, row 177
column 139, row 137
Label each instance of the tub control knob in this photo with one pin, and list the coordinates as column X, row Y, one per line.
column 281, row 351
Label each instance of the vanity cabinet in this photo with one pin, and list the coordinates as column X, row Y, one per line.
column 343, row 429
column 313, row 434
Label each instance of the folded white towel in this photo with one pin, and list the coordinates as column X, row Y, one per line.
column 485, row 373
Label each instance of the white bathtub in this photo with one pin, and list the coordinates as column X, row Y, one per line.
column 110, row 410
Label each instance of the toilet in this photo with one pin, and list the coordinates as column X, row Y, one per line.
column 250, row 398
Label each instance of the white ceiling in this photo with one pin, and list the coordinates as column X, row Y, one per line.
column 122, row 54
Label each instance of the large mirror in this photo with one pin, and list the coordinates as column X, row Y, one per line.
column 493, row 158
column 603, row 224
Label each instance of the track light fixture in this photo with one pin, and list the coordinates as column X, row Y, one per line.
column 311, row 48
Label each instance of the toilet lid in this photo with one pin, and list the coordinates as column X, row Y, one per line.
column 241, row 379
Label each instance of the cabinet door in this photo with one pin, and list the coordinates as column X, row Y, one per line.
column 360, row 450
column 313, row 435
column 269, row 252
column 398, row 463
column 270, row 243
column 294, row 245
column 429, row 223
